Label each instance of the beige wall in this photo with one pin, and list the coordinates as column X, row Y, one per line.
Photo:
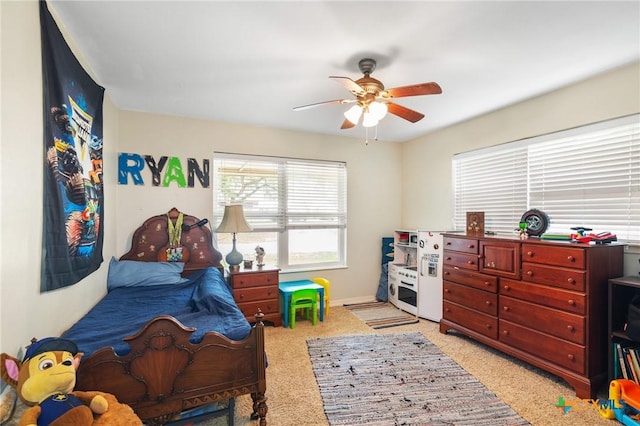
column 390, row 185
column 24, row 312
column 426, row 179
column 373, row 174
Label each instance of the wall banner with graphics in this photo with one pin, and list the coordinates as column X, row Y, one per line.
column 73, row 227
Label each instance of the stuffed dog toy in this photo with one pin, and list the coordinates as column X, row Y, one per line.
column 45, row 378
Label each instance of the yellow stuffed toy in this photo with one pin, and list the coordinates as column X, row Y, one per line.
column 45, row 378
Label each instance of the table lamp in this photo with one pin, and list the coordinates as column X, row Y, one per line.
column 233, row 222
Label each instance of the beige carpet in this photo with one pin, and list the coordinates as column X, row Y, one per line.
column 294, row 398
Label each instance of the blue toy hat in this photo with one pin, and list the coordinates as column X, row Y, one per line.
column 49, row 344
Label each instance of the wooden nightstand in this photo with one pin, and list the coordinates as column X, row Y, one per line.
column 257, row 288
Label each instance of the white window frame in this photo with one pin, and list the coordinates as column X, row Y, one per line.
column 586, row 176
column 300, row 183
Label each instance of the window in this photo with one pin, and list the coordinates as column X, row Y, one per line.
column 587, row 176
column 297, row 208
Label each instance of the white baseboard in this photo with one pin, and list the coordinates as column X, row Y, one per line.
column 352, row 300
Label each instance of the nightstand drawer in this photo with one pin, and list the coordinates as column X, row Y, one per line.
column 255, row 293
column 255, row 280
column 266, row 306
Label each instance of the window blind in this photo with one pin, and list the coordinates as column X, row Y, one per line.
column 587, row 176
column 281, row 193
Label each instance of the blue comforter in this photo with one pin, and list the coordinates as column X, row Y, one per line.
column 204, row 302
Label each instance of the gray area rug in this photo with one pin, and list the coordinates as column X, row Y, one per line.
column 400, row 379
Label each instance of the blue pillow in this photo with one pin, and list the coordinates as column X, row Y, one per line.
column 130, row 273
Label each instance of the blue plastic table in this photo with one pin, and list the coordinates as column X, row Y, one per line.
column 286, row 288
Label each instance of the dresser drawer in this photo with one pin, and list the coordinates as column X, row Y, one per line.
column 460, row 244
column 471, row 278
column 255, row 293
column 249, row 309
column 570, row 279
column 473, row 320
column 558, row 351
column 569, row 301
column 479, row 300
column 461, row 260
column 253, row 280
column 570, row 257
column 551, row 321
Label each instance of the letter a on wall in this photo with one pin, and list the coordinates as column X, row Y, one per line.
column 73, row 228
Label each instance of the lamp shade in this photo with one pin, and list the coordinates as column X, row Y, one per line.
column 233, row 220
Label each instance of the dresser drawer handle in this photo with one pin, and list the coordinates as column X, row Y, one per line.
column 570, row 328
column 505, row 332
column 489, row 326
column 571, row 258
column 571, row 357
column 506, row 308
column 471, row 246
column 488, row 302
column 446, row 290
column 447, row 310
column 241, row 296
column 530, row 273
column 448, row 257
column 448, row 243
column 506, row 287
column 571, row 302
column 447, row 273
column 487, row 283
column 530, row 253
column 571, row 281
column 470, row 262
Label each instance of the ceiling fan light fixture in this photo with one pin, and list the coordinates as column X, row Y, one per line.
column 353, row 114
column 378, row 110
column 369, row 120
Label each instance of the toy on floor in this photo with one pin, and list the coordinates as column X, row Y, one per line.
column 45, row 379
column 624, row 395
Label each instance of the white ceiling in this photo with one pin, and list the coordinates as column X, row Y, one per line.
column 253, row 62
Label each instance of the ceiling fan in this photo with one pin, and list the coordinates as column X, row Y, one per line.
column 372, row 101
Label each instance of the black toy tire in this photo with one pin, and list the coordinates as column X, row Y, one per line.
column 537, row 222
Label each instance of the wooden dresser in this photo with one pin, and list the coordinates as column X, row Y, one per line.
column 544, row 302
column 257, row 288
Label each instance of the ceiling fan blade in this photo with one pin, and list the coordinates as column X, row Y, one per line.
column 415, row 90
column 349, row 84
column 346, row 124
column 404, row 112
column 336, row 101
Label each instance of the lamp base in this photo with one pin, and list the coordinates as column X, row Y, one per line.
column 234, row 258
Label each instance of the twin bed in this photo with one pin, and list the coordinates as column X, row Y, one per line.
column 168, row 336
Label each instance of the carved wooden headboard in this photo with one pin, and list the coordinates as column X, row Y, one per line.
column 152, row 236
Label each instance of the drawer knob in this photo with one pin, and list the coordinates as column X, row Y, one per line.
column 530, row 253
column 571, row 258
column 506, row 308
column 505, row 332
column 446, row 290
column 448, row 257
column 488, row 326
column 530, row 273
column 487, row 283
column 572, row 302
column 448, row 243
column 488, row 302
column 570, row 328
column 571, row 281
column 447, row 310
column 470, row 262
column 471, row 246
column 447, row 273
column 506, row 287
column 571, row 357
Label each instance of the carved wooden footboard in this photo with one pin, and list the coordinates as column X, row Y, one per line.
column 164, row 373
